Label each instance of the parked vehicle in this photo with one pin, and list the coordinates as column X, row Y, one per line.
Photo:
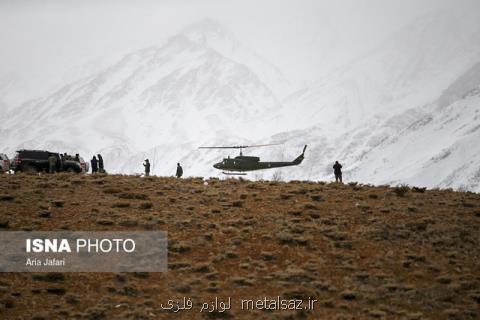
column 85, row 165
column 33, row 161
column 4, row 163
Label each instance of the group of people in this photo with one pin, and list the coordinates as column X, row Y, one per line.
column 53, row 161
column 146, row 165
column 66, row 156
column 97, row 164
column 337, row 170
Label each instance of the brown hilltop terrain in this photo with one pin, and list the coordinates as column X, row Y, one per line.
column 363, row 252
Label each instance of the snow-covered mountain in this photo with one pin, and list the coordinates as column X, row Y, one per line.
column 405, row 113
column 435, row 145
column 408, row 70
column 210, row 33
column 183, row 93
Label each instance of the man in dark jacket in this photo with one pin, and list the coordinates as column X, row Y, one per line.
column 179, row 171
column 100, row 164
column 62, row 161
column 147, row 167
column 94, row 163
column 337, row 170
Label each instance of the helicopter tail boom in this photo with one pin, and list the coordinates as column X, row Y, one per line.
column 300, row 158
column 269, row 165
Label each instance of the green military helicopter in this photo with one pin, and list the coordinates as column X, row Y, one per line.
column 240, row 164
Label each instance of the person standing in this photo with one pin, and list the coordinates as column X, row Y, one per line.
column 337, row 170
column 179, row 173
column 52, row 163
column 147, row 167
column 100, row 164
column 62, row 161
column 94, row 164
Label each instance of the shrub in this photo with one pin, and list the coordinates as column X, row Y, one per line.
column 401, row 190
column 419, row 190
column 132, row 195
column 277, row 176
column 146, row 205
column 121, row 205
column 6, row 197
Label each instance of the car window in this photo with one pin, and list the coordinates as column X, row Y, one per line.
column 41, row 155
column 44, row 156
column 27, row 154
column 34, row 155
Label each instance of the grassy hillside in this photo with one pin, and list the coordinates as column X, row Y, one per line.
column 363, row 252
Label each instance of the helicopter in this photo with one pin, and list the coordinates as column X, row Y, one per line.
column 241, row 163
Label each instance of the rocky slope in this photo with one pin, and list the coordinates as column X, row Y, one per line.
column 363, row 252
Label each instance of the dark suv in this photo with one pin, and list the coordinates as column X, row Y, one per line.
column 37, row 161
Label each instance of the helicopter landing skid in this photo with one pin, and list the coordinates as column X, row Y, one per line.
column 234, row 173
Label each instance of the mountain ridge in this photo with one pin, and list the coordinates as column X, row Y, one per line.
column 164, row 102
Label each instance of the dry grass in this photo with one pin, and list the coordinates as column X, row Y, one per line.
column 364, row 252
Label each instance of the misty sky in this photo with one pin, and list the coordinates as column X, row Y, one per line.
column 48, row 43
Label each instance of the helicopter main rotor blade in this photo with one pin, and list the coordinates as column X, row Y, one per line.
column 262, row 145
column 217, row 148
column 242, row 147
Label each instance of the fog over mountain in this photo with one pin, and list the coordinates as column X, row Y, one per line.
column 402, row 109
